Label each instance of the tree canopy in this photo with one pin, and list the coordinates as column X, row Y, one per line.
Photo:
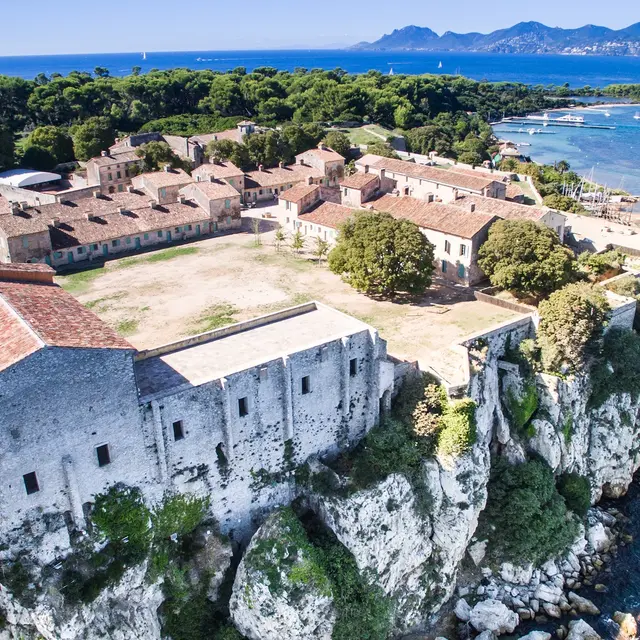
column 155, row 155
column 526, row 257
column 571, row 326
column 380, row 255
column 339, row 142
column 92, row 137
column 54, row 140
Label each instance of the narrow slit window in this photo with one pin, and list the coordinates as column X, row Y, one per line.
column 178, row 430
column 306, row 385
column 243, row 407
column 31, row 483
column 104, row 457
column 353, row 367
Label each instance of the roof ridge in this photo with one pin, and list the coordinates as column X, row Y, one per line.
column 23, row 320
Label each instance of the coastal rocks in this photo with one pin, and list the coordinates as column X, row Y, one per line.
column 536, row 635
column 549, row 593
column 583, row 605
column 515, row 574
column 598, row 537
column 477, row 551
column 266, row 604
column 462, row 610
column 627, row 623
column 494, row 616
column 580, row 630
column 211, row 560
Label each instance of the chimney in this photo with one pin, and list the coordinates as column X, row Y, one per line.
column 117, row 140
column 322, row 146
column 24, row 205
column 472, row 207
column 55, row 222
column 281, row 165
column 260, row 167
column 212, row 178
column 96, row 195
column 382, row 173
column 15, row 208
column 167, row 168
column 366, row 168
column 153, row 204
column 122, row 211
column 91, row 217
column 131, row 189
column 30, row 272
column 104, row 154
column 309, row 180
column 182, row 198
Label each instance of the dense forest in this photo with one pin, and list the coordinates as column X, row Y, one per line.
column 441, row 112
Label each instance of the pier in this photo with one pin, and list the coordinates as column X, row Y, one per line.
column 553, row 123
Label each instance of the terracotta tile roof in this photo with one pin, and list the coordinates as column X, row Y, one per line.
column 477, row 173
column 230, row 134
column 299, row 192
column 324, row 153
column 433, row 174
column 216, row 190
column 218, row 170
column 160, row 179
column 514, row 190
column 33, row 315
column 123, row 156
column 5, row 205
column 327, row 214
column 434, row 215
column 282, row 175
column 6, row 268
column 368, row 159
column 130, row 223
column 359, row 180
column 23, row 223
column 501, row 208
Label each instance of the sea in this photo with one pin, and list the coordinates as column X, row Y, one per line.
column 611, row 154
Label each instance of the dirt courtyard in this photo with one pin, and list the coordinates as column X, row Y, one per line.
column 162, row 296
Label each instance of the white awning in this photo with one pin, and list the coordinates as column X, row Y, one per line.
column 27, row 177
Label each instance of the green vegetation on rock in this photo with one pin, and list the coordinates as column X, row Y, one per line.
column 526, row 519
column 576, row 491
column 522, row 407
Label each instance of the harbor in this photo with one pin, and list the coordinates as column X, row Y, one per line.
column 575, row 122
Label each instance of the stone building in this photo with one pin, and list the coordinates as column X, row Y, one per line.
column 326, row 161
column 226, row 414
column 113, row 173
column 358, row 188
column 163, row 186
column 267, row 184
column 226, row 171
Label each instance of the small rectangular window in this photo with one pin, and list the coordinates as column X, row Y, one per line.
column 104, row 458
column 119, row 175
column 109, row 177
column 80, row 250
column 94, row 247
column 447, row 246
column 227, row 204
column 146, row 236
column 463, row 249
column 353, row 367
column 128, row 240
column 228, row 219
column 178, row 431
column 306, row 385
column 243, row 407
column 178, row 229
column 115, row 243
column 159, row 234
column 31, row 483
column 25, row 243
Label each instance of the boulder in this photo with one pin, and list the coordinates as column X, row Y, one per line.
column 516, row 574
column 583, row 605
column 552, row 610
column 477, row 551
column 266, row 604
column 580, row 630
column 598, row 537
column 462, row 610
column 493, row 615
column 550, row 568
column 486, row 635
column 549, row 593
column 628, row 624
column 212, row 558
column 537, row 635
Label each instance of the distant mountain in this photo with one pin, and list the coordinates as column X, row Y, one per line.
column 524, row 37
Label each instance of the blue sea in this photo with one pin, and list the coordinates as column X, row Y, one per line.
column 613, row 155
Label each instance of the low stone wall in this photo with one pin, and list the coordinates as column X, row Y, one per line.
column 485, row 295
column 32, row 198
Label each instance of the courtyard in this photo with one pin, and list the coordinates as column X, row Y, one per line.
column 171, row 293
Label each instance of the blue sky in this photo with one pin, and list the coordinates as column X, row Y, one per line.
column 74, row 26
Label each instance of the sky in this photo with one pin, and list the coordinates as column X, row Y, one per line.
column 79, row 26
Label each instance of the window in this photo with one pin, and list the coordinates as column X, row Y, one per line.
column 178, row 431
column 94, row 247
column 353, row 367
column 444, row 266
column 110, row 177
column 215, row 227
column 188, row 228
column 128, row 240
column 80, row 250
column 119, row 174
column 104, row 458
column 25, row 243
column 31, row 483
column 287, row 207
column 306, row 385
column 120, row 188
column 57, row 254
column 228, row 219
column 146, row 236
column 269, row 190
column 243, row 407
column 463, row 249
column 260, row 192
column 163, row 193
column 346, row 191
column 159, row 234
column 447, row 246
column 230, row 181
column 126, row 173
column 178, row 229
column 115, row 243
column 227, row 204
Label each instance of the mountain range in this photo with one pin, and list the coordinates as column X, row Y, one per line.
column 524, row 37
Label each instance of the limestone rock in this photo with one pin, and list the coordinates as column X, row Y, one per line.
column 549, row 593
column 628, row 624
column 486, row 635
column 516, row 574
column 552, row 610
column 265, row 604
column 537, row 635
column 598, row 537
column 477, row 551
column 211, row 558
column 580, row 630
column 462, row 610
column 493, row 615
column 583, row 605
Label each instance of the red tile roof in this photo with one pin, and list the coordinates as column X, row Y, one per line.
column 159, row 179
column 324, row 153
column 33, row 315
column 514, row 190
column 214, row 190
column 434, row 215
column 501, row 208
column 281, row 176
column 230, row 134
column 299, row 192
column 359, row 180
column 328, row 214
column 218, row 170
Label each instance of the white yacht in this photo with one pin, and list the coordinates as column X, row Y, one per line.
column 637, row 116
column 570, row 118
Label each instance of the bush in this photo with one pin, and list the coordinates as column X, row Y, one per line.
column 526, row 257
column 522, row 409
column 178, row 514
column 458, row 432
column 597, row 264
column 576, row 491
column 526, row 519
column 617, row 370
column 628, row 286
column 571, row 326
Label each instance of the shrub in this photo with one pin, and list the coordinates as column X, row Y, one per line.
column 628, row 286
column 576, row 491
column 178, row 514
column 521, row 409
column 571, row 326
column 458, row 433
column 526, row 519
column 617, row 370
column 526, row 257
column 597, row 264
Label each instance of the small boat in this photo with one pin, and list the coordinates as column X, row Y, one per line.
column 637, row 116
column 570, row 118
column 391, row 71
column 440, row 65
column 607, row 114
column 144, row 55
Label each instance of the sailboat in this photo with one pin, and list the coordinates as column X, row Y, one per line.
column 440, row 65
column 637, row 116
column 391, row 71
column 144, row 55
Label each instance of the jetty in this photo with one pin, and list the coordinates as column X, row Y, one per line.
column 553, row 123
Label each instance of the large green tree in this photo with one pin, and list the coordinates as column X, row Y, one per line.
column 55, row 140
column 155, row 155
column 380, row 255
column 7, row 148
column 339, row 142
column 571, row 326
column 526, row 257
column 92, row 137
